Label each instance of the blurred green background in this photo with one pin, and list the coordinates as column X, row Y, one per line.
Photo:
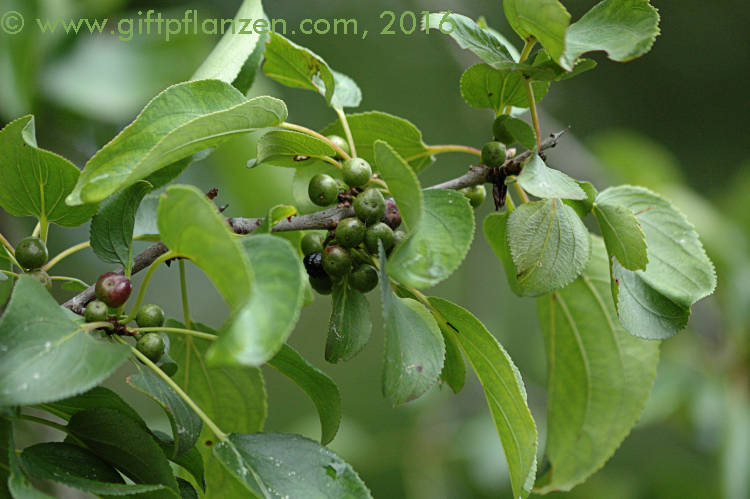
column 674, row 121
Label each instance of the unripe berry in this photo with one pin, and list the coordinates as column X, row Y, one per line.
column 493, row 154
column 113, row 289
column 312, row 242
column 476, row 194
column 356, row 172
column 350, row 232
column 364, row 278
column 341, row 143
column 314, row 265
column 379, row 232
column 323, row 190
column 399, row 236
column 96, row 311
column 150, row 316
column 31, row 253
column 337, row 262
column 322, row 285
column 500, row 131
column 369, row 206
column 152, row 346
column 42, row 277
column 392, row 217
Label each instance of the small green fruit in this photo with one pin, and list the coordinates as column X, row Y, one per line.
column 379, row 232
column 500, row 131
column 113, row 289
column 312, row 242
column 323, row 190
column 369, row 206
column 31, row 253
column 337, row 262
column 350, row 232
column 493, row 154
column 341, row 143
column 364, row 278
column 96, row 311
column 476, row 194
column 150, row 316
column 152, row 346
column 356, row 172
column 322, row 285
column 42, row 277
column 399, row 236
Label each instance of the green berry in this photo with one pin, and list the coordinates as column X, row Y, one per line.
column 337, row 262
column 398, row 237
column 151, row 345
column 322, row 285
column 350, row 232
column 31, row 253
column 379, row 232
column 356, row 172
column 500, row 130
column 42, row 277
column 341, row 142
column 323, row 190
column 150, row 316
column 476, row 194
column 364, row 278
column 369, row 206
column 96, row 311
column 493, row 154
column 113, row 289
column 312, row 242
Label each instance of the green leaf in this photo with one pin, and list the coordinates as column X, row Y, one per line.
column 483, row 86
column 6, row 447
column 503, row 388
column 350, row 326
column 44, row 355
column 228, row 57
column 273, row 464
column 622, row 235
column 655, row 303
column 182, row 120
column 482, row 42
column 291, row 149
column 274, row 217
column 414, row 347
column 125, row 444
column 33, row 181
column 600, row 377
column 402, row 183
column 232, row 397
column 522, row 132
column 6, row 283
column 249, row 71
column 187, row 491
column 454, row 368
column 19, row 485
column 347, row 93
column 583, row 206
column 316, row 384
column 624, row 29
column 543, row 182
column 191, row 226
column 191, row 460
column 543, row 20
column 258, row 330
column 401, row 134
column 440, row 243
column 78, row 468
column 146, row 217
column 297, row 67
column 549, row 244
column 97, row 397
column 186, row 425
column 496, row 232
column 111, row 230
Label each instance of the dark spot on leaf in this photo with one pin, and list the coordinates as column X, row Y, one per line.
column 490, row 94
column 209, row 443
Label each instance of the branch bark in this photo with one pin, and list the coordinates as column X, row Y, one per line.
column 326, row 219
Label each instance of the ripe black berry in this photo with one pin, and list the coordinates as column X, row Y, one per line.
column 150, row 316
column 312, row 242
column 323, row 190
column 341, row 143
column 337, row 262
column 314, row 265
column 350, row 232
column 379, row 232
column 151, row 345
column 356, row 172
column 96, row 311
column 392, row 217
column 493, row 154
column 476, row 195
column 322, row 285
column 364, row 278
column 31, row 253
column 369, row 206
column 113, row 289
column 500, row 131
